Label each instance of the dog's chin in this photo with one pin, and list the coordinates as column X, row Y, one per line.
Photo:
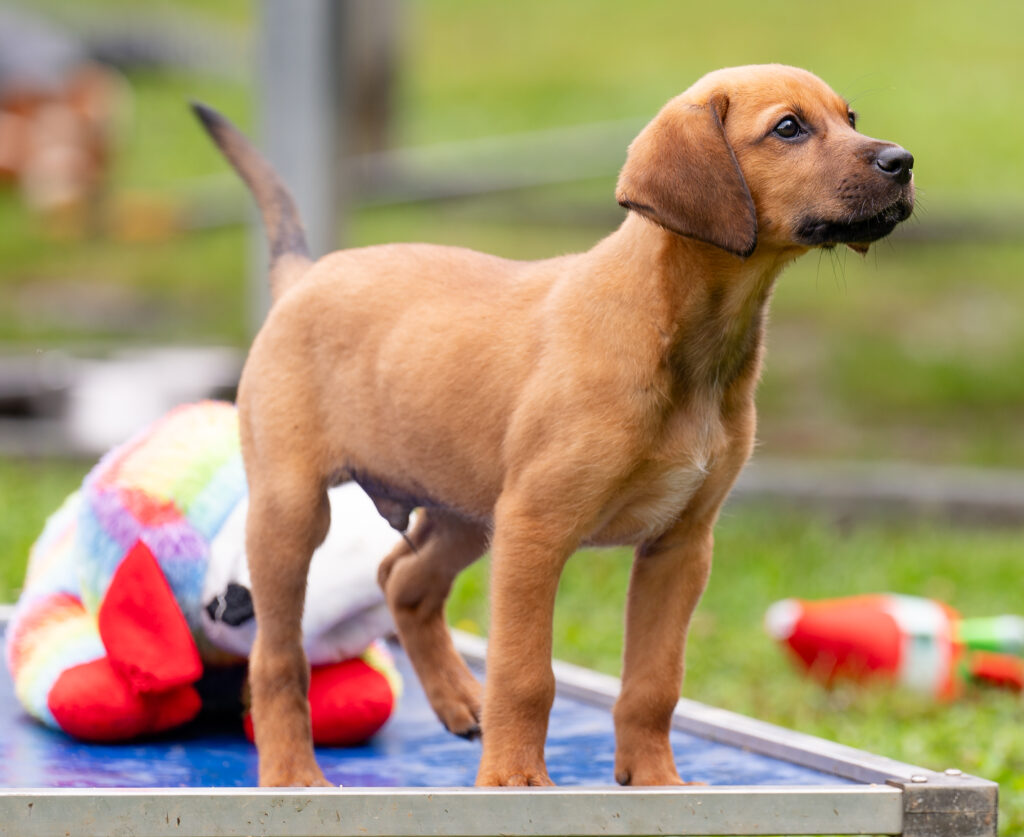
column 856, row 233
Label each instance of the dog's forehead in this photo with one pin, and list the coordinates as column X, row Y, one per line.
column 759, row 87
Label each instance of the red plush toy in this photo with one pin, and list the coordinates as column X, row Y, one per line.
column 916, row 642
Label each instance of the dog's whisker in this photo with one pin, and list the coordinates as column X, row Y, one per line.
column 817, row 273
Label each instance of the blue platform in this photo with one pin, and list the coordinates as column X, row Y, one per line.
column 413, row 750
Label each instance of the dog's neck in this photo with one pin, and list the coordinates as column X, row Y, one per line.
column 711, row 304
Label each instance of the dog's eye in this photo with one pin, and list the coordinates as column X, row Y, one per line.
column 852, row 116
column 788, row 128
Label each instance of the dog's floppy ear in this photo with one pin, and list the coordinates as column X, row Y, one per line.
column 681, row 173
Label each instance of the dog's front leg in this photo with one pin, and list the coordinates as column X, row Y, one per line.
column 667, row 581
column 283, row 529
column 528, row 555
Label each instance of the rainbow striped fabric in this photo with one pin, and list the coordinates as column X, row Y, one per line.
column 171, row 486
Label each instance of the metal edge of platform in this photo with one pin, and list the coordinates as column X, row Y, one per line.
column 460, row 812
column 935, row 804
column 893, row 800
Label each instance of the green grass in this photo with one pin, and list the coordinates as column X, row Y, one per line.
column 763, row 555
column 914, row 352
column 911, row 353
column 31, row 491
column 486, row 67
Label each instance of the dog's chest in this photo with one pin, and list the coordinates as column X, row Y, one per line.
column 661, row 488
column 659, row 498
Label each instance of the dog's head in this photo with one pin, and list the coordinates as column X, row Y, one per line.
column 766, row 156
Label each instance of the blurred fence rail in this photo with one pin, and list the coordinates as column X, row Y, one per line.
column 55, row 405
column 894, row 491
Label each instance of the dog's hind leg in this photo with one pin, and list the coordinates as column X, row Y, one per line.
column 288, row 518
column 416, row 578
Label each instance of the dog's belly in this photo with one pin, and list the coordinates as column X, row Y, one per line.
column 651, row 506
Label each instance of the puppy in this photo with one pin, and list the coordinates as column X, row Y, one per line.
column 600, row 398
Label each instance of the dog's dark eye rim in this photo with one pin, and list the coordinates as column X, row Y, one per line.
column 852, row 117
column 789, row 128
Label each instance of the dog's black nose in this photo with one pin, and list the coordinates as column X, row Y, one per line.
column 895, row 162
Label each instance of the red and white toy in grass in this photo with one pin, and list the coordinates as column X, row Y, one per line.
column 915, row 642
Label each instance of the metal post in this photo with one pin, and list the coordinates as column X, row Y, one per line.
column 300, row 113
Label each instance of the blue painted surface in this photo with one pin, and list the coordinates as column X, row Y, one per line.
column 413, row 750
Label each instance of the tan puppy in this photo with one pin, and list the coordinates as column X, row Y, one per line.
column 599, row 398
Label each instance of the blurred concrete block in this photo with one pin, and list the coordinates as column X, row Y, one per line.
column 55, row 404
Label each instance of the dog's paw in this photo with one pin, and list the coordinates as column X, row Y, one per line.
column 471, row 732
column 294, row 778
column 461, row 718
column 537, row 778
column 641, row 777
column 459, row 706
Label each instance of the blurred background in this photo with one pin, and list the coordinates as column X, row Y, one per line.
column 891, row 452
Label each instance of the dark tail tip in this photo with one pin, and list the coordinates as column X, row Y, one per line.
column 211, row 120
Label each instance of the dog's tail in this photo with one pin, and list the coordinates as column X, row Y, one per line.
column 289, row 252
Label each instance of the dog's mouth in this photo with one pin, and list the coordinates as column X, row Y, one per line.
column 857, row 233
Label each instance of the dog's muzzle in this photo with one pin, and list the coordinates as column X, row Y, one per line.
column 816, row 232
